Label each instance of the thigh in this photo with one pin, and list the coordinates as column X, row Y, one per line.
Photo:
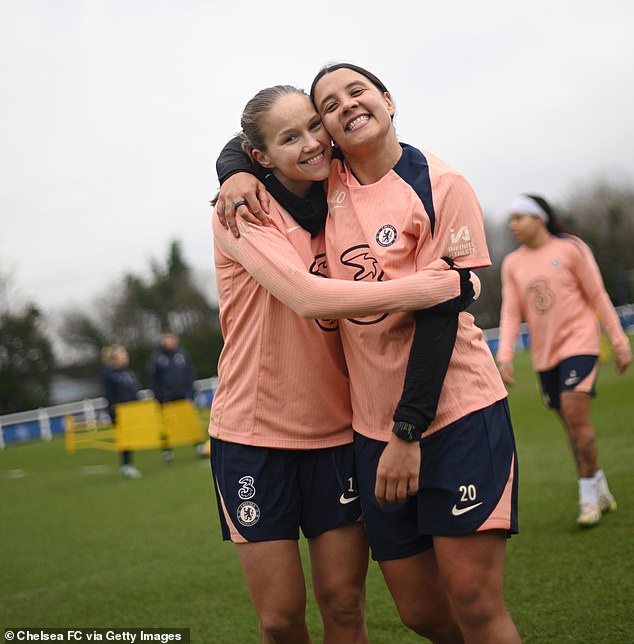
column 274, row 575
column 473, row 565
column 339, row 560
column 416, row 586
column 575, row 409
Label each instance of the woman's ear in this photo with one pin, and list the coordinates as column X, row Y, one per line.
column 391, row 106
column 262, row 158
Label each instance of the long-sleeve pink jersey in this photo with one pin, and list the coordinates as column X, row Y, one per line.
column 419, row 210
column 558, row 290
column 282, row 378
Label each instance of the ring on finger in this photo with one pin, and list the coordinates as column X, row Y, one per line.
column 237, row 204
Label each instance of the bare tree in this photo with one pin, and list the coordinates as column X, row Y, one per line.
column 602, row 213
column 136, row 310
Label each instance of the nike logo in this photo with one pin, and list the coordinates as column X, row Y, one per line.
column 458, row 511
column 290, row 229
column 571, row 381
column 344, row 500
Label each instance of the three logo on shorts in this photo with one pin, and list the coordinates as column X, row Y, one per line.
column 248, row 512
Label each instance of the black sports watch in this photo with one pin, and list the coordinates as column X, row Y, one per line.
column 407, row 431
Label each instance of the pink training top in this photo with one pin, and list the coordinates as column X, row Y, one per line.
column 282, row 379
column 557, row 289
column 419, row 210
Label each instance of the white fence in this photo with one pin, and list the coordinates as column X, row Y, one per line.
column 44, row 423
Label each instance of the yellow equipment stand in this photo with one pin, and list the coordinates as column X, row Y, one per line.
column 140, row 424
column 182, row 423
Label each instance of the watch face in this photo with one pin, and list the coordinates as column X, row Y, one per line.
column 407, row 431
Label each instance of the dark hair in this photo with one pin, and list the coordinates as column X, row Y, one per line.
column 327, row 69
column 255, row 109
column 554, row 225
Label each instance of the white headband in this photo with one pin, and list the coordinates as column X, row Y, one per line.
column 528, row 206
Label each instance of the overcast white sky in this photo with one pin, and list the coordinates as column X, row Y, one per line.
column 112, row 112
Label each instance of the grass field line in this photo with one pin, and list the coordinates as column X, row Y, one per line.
column 78, row 581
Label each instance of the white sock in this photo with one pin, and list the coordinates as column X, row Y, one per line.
column 602, row 482
column 588, row 491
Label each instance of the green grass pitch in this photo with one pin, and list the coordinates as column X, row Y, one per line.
column 81, row 547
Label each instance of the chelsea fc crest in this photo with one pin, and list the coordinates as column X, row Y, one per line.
column 248, row 513
column 386, row 235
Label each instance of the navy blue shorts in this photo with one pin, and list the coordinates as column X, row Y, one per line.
column 266, row 494
column 468, row 483
column 578, row 373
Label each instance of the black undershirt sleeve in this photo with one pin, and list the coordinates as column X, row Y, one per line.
column 232, row 160
column 429, row 357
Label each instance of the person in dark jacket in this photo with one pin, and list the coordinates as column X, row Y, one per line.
column 171, row 371
column 120, row 385
column 171, row 374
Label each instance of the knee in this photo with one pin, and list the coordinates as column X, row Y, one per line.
column 343, row 606
column 282, row 621
column 472, row 605
column 435, row 625
column 573, row 415
column 280, row 626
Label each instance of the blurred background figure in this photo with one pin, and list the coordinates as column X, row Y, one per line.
column 120, row 385
column 171, row 374
column 553, row 282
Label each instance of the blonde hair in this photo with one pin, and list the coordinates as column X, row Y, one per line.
column 109, row 353
column 258, row 107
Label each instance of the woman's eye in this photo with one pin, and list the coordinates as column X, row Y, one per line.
column 329, row 107
column 290, row 138
column 316, row 125
column 357, row 91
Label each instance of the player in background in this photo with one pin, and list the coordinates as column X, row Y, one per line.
column 281, row 449
column 439, row 495
column 120, row 384
column 553, row 283
column 171, row 374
